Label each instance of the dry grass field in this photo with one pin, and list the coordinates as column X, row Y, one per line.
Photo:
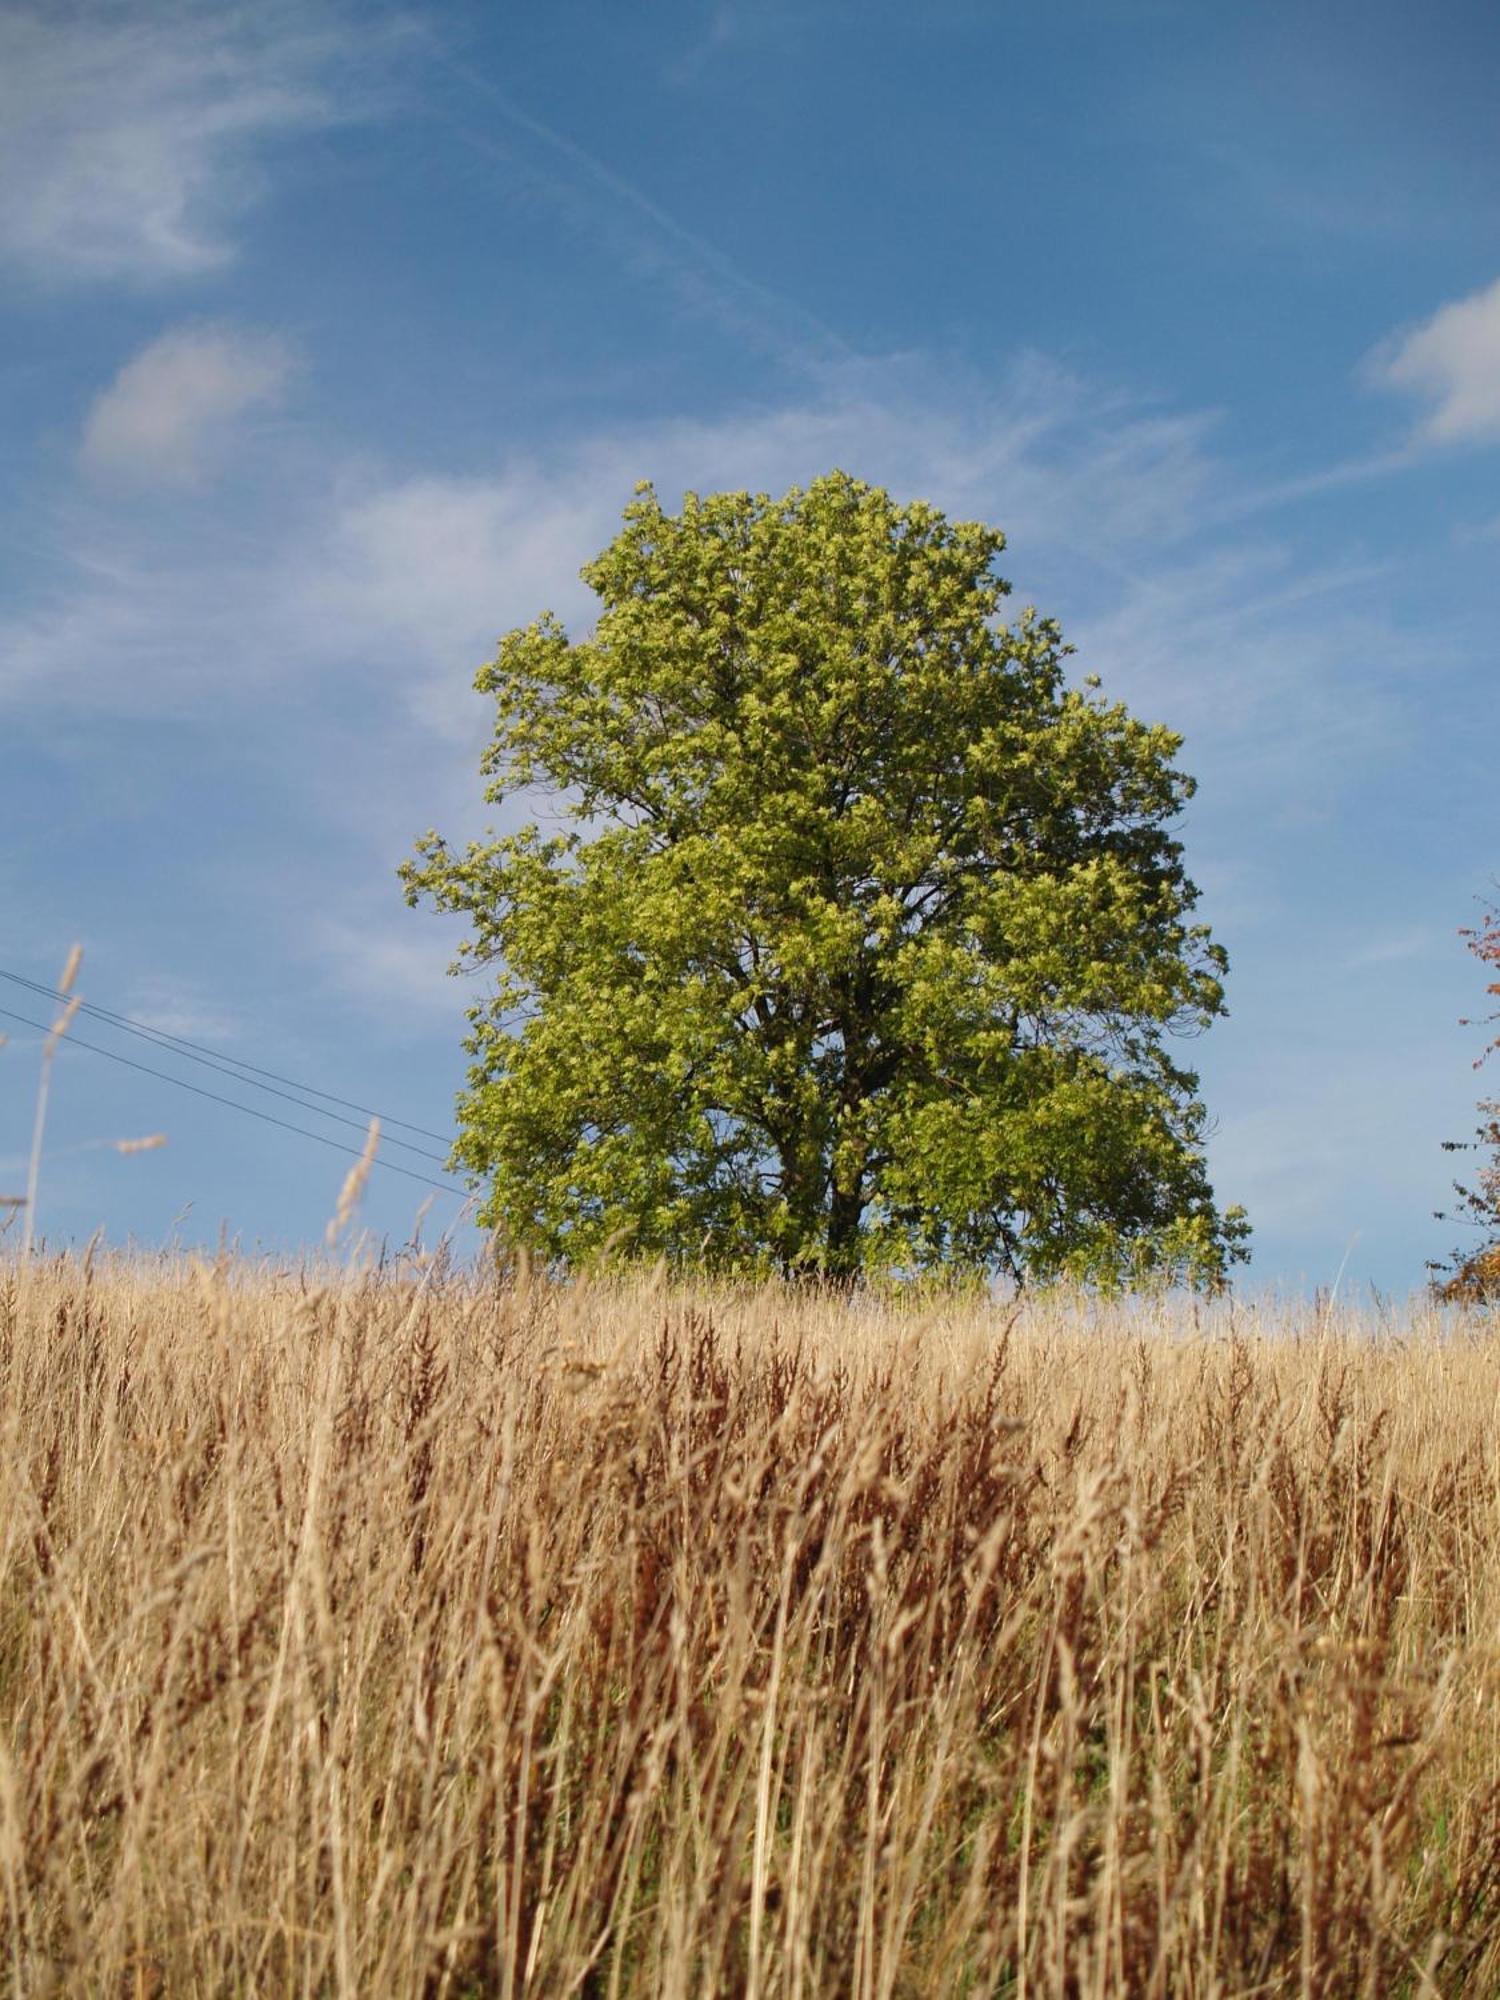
column 389, row 1635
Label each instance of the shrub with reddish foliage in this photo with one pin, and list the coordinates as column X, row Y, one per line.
column 1475, row 1278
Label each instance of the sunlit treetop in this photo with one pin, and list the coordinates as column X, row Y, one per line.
column 867, row 937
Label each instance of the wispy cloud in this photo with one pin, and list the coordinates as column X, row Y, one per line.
column 1451, row 363
column 173, row 1007
column 1396, row 947
column 723, row 27
column 132, row 624
column 407, row 583
column 171, row 409
column 432, row 569
column 389, row 965
column 342, row 632
column 129, row 137
column 1264, row 661
column 1363, row 469
column 639, row 232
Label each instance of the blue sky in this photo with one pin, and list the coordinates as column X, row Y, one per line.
column 333, row 338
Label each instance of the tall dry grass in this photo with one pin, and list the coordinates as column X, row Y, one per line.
column 390, row 1637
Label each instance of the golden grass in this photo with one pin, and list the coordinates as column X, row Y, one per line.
column 388, row 1636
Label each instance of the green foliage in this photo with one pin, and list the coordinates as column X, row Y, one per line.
column 865, row 936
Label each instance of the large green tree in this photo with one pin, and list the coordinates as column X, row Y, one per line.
column 866, row 935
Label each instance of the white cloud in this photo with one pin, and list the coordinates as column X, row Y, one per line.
column 143, row 625
column 396, row 589
column 172, row 1007
column 1451, row 361
column 172, row 407
column 442, row 566
column 1287, row 682
column 128, row 134
column 391, row 965
column 723, row 28
column 1395, row 947
column 430, row 571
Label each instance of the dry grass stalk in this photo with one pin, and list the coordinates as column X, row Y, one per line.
column 58, row 1029
column 434, row 1635
column 352, row 1192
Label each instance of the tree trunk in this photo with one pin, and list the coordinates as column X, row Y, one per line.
column 842, row 1254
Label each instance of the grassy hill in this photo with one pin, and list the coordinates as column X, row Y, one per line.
column 426, row 1634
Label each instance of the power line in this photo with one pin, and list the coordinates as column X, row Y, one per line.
column 168, row 1042
column 232, row 1066
column 72, row 1041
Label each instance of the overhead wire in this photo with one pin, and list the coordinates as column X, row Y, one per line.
column 234, row 1067
column 267, row 1118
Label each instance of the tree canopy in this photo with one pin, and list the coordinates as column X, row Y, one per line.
column 864, row 936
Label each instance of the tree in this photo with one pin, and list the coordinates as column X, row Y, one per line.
column 865, row 936
column 1475, row 1278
